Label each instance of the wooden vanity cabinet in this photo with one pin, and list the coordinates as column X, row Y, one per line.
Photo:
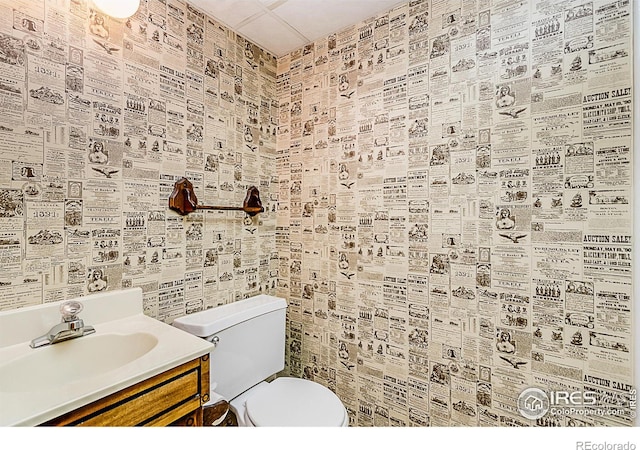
column 174, row 397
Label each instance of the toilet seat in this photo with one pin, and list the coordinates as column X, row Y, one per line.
column 291, row 402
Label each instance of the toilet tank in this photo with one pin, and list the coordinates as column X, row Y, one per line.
column 251, row 339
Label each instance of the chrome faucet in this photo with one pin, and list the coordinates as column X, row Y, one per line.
column 71, row 326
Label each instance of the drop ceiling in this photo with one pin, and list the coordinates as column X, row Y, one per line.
column 281, row 26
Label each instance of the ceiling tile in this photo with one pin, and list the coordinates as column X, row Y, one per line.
column 281, row 26
column 271, row 3
column 230, row 12
column 332, row 16
column 271, row 34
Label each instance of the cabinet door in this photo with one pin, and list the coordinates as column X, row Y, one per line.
column 158, row 401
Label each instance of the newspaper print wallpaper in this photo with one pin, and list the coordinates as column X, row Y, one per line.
column 447, row 190
column 454, row 219
column 99, row 119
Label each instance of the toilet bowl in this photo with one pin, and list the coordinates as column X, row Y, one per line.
column 249, row 338
column 289, row 402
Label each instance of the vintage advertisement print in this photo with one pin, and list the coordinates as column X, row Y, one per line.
column 447, row 192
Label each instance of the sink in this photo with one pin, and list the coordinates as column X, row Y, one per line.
column 74, row 360
column 128, row 347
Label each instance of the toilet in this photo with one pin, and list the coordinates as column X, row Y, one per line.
column 249, row 339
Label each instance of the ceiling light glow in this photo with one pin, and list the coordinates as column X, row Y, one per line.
column 119, row 9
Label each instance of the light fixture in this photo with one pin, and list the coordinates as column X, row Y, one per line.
column 118, row 9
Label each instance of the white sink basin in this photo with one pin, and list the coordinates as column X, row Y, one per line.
column 39, row 384
column 72, row 361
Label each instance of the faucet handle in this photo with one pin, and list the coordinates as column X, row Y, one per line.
column 69, row 310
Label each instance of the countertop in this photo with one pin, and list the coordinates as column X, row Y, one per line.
column 36, row 406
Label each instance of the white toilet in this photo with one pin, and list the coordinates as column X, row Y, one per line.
column 250, row 339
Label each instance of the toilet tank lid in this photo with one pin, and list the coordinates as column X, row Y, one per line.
column 211, row 321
